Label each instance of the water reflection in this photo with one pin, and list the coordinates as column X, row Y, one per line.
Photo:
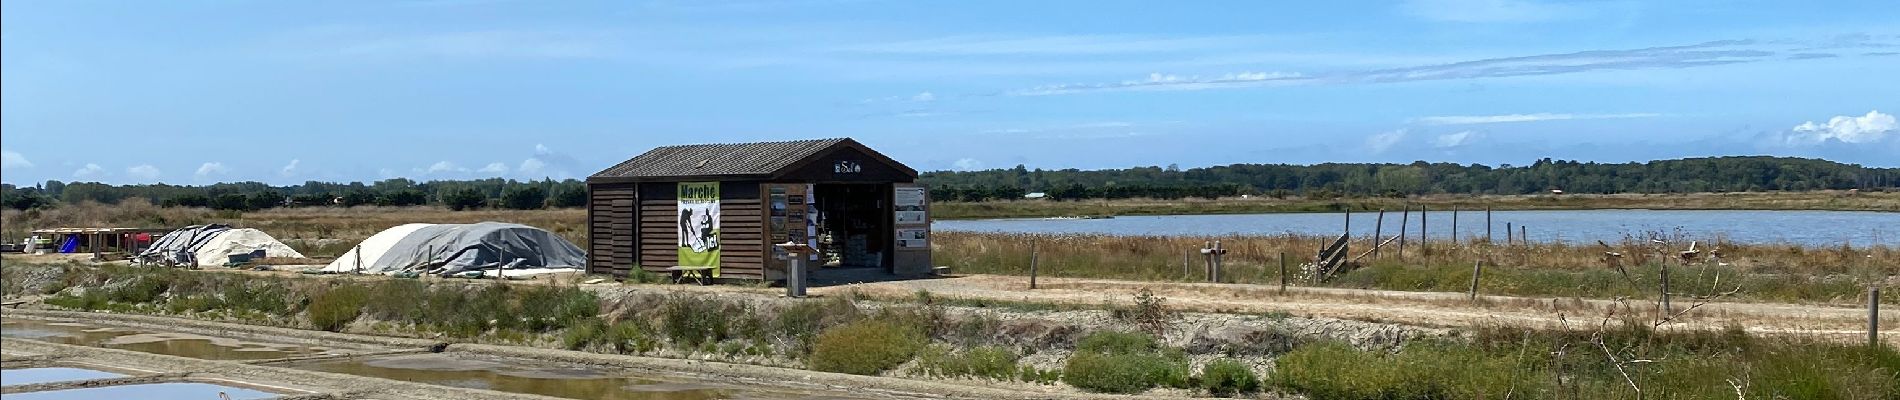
column 153, row 391
column 24, row 376
column 176, row 344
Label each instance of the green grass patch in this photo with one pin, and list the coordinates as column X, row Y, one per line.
column 866, row 346
column 1122, row 362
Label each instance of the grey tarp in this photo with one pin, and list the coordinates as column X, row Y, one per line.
column 452, row 248
column 181, row 246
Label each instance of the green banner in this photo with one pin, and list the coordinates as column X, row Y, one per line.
column 699, row 225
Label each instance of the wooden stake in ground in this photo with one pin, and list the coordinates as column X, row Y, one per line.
column 1405, row 221
column 1663, row 287
column 1454, row 225
column 1477, row 268
column 1348, row 229
column 1508, row 240
column 359, row 258
column 1032, row 263
column 1423, row 248
column 1282, row 272
column 1487, row 225
column 1377, row 235
column 1874, row 315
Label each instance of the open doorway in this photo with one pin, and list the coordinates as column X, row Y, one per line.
column 853, row 228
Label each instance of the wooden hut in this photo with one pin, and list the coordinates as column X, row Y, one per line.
column 725, row 205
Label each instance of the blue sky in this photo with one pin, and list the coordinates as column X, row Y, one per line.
column 192, row 92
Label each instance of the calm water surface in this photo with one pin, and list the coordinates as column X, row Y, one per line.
column 23, row 376
column 183, row 345
column 524, row 376
column 153, row 391
column 1819, row 228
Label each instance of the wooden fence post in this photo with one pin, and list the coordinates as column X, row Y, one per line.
column 1487, row 225
column 1377, row 235
column 1032, row 263
column 1454, row 225
column 1873, row 316
column 1663, row 287
column 359, row 259
column 1524, row 234
column 1187, row 261
column 1348, row 244
column 1405, row 221
column 1282, row 272
column 1477, row 268
column 1507, row 234
column 1424, row 248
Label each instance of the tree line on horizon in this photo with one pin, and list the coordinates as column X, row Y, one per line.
column 1332, row 180
column 1318, row 181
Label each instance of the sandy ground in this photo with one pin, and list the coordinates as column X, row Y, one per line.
column 1427, row 309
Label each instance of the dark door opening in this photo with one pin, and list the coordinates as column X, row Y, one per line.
column 853, row 228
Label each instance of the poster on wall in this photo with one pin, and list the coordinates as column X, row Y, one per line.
column 909, row 204
column 913, row 238
column 699, row 225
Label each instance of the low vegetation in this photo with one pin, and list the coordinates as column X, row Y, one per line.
column 1608, row 359
column 1321, row 201
column 1780, row 273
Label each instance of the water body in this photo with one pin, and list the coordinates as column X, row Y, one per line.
column 176, row 344
column 1814, row 228
column 153, row 391
column 24, row 376
column 525, row 376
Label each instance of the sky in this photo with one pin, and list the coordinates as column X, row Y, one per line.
column 196, row 92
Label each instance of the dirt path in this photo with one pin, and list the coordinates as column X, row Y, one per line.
column 1434, row 309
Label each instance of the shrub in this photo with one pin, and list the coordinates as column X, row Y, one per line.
column 989, row 362
column 547, row 308
column 333, row 309
column 1122, row 362
column 866, row 346
column 528, row 196
column 584, row 333
column 142, row 289
column 1227, row 376
column 691, row 321
column 629, row 336
column 800, row 322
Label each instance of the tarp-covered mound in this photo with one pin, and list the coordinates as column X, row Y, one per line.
column 447, row 249
column 213, row 245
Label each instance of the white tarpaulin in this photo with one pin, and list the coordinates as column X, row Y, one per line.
column 213, row 245
column 446, row 249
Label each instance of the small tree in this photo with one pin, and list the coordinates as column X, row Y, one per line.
column 230, row 201
column 524, row 197
column 464, row 199
column 404, row 197
column 263, row 200
column 569, row 196
column 358, row 198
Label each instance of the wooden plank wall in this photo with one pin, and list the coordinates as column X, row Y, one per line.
column 741, row 239
column 610, row 244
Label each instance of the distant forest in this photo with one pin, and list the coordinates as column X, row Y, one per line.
column 1722, row 174
column 1719, row 174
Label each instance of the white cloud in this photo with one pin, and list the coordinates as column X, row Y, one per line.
column 1869, row 128
column 209, row 169
column 444, row 166
column 90, row 171
column 1490, row 10
column 1160, row 81
column 967, row 164
column 1493, row 119
column 494, row 169
column 532, row 166
column 923, row 97
column 1451, row 140
column 13, row 159
column 1381, row 142
column 142, row 171
column 291, row 168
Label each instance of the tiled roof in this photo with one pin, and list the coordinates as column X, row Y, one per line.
column 760, row 158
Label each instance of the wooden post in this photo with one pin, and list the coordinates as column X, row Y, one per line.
column 359, row 259
column 1477, row 268
column 1032, row 263
column 1423, row 240
column 1663, row 288
column 1454, row 225
column 1282, row 272
column 1524, row 235
column 1507, row 234
column 1405, row 221
column 1487, row 225
column 1873, row 316
column 1186, row 261
column 1377, row 235
column 1207, row 260
column 1348, row 244
column 1218, row 252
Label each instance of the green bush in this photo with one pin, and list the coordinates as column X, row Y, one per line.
column 801, row 321
column 866, row 346
column 1227, row 376
column 547, row 308
column 333, row 309
column 989, row 362
column 691, row 321
column 630, row 336
column 584, row 333
column 1121, row 362
column 141, row 289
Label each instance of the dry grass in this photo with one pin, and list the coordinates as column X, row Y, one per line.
column 1818, row 200
column 1766, row 272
